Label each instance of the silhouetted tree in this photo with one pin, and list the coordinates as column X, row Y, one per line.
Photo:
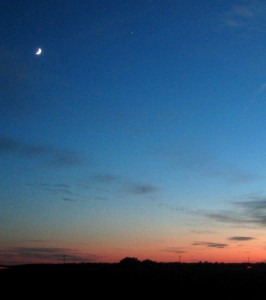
column 130, row 261
column 148, row 262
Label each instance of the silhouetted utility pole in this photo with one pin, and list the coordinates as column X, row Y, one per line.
column 64, row 259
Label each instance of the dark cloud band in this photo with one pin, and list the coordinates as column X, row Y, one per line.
column 53, row 157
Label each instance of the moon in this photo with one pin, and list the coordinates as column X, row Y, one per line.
column 39, row 51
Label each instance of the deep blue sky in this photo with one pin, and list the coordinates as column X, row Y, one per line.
column 142, row 121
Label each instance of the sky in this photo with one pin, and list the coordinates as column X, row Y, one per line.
column 139, row 131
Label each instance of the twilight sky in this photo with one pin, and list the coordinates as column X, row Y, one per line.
column 140, row 130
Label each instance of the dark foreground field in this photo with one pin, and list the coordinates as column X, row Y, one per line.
column 146, row 278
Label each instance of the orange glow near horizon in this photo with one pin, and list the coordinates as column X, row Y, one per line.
column 188, row 252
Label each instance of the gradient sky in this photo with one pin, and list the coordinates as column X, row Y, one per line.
column 140, row 130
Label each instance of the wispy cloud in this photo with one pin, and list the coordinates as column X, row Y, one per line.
column 249, row 16
column 172, row 207
column 52, row 156
column 103, row 178
column 243, row 11
column 225, row 217
column 60, row 185
column 202, row 231
column 251, row 212
column 207, row 165
column 262, row 88
column 67, row 192
column 90, row 198
column 37, row 241
column 241, row 238
column 254, row 202
column 58, row 190
column 60, row 158
column 210, row 244
column 45, row 254
column 118, row 184
column 238, row 16
column 52, row 188
column 254, row 209
column 68, row 200
column 175, row 250
column 141, row 189
column 234, row 175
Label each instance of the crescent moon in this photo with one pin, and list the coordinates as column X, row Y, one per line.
column 39, row 51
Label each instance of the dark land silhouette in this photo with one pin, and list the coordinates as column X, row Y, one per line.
column 134, row 276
